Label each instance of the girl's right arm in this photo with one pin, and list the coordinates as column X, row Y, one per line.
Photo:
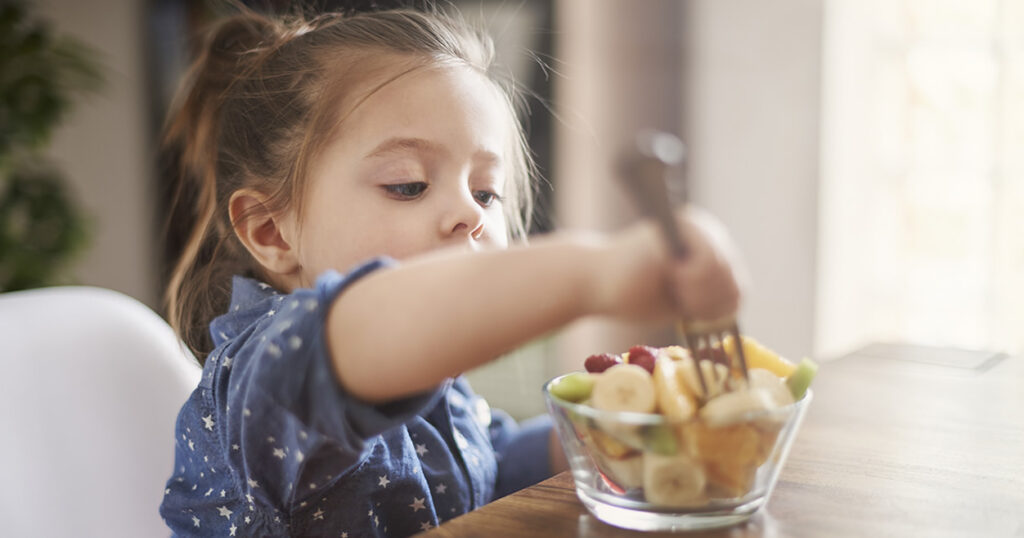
column 401, row 331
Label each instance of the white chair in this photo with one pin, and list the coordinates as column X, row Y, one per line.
column 90, row 386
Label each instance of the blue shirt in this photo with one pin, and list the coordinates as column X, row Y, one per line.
column 269, row 443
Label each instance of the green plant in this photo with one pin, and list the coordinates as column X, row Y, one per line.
column 40, row 227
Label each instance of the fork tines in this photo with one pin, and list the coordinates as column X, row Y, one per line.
column 707, row 343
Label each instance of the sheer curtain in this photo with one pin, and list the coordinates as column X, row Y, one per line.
column 922, row 194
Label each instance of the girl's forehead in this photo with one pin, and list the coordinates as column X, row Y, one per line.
column 446, row 102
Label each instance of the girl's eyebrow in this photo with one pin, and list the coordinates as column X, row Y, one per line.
column 422, row 145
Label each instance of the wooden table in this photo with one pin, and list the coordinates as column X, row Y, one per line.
column 899, row 441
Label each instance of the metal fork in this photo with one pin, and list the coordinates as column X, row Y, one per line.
column 644, row 172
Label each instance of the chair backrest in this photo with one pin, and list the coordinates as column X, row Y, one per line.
column 91, row 382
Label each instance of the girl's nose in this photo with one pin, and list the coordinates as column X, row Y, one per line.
column 463, row 217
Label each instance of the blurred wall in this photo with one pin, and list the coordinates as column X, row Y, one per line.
column 104, row 147
column 752, row 121
column 740, row 81
column 620, row 70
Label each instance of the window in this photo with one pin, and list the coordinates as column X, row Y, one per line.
column 922, row 195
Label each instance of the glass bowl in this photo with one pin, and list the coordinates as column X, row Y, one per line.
column 641, row 471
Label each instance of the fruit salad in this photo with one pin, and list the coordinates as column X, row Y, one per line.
column 695, row 442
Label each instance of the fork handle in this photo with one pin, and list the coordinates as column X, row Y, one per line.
column 645, row 176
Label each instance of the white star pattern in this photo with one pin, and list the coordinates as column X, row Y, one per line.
column 246, row 412
column 299, row 456
column 370, row 513
column 224, row 511
column 223, row 493
column 234, row 447
column 248, row 497
column 233, row 528
column 191, row 445
column 295, row 342
column 208, row 422
column 319, row 514
column 247, row 520
column 227, row 362
column 270, row 313
column 460, row 440
column 253, row 483
column 195, row 521
column 312, row 485
column 417, row 504
column 274, row 350
column 208, row 493
column 376, row 521
column 421, row 449
column 441, row 488
column 426, row 526
column 383, row 481
column 278, row 453
column 311, row 304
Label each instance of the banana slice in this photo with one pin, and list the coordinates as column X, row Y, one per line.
column 715, row 375
column 760, row 378
column 676, row 481
column 734, row 406
column 674, row 402
column 624, row 387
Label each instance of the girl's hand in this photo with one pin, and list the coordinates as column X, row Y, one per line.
column 642, row 280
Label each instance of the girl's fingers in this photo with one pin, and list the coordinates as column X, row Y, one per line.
column 706, row 282
column 706, row 292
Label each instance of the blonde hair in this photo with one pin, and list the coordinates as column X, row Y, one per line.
column 258, row 105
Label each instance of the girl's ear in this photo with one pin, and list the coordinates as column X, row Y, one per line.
column 265, row 234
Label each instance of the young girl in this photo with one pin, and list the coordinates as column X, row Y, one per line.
column 352, row 184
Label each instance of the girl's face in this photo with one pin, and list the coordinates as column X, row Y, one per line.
column 419, row 165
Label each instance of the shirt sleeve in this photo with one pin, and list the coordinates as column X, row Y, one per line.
column 285, row 402
column 522, row 451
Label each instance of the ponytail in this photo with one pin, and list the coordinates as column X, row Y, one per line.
column 191, row 143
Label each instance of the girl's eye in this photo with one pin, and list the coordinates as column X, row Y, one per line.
column 486, row 198
column 406, row 191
